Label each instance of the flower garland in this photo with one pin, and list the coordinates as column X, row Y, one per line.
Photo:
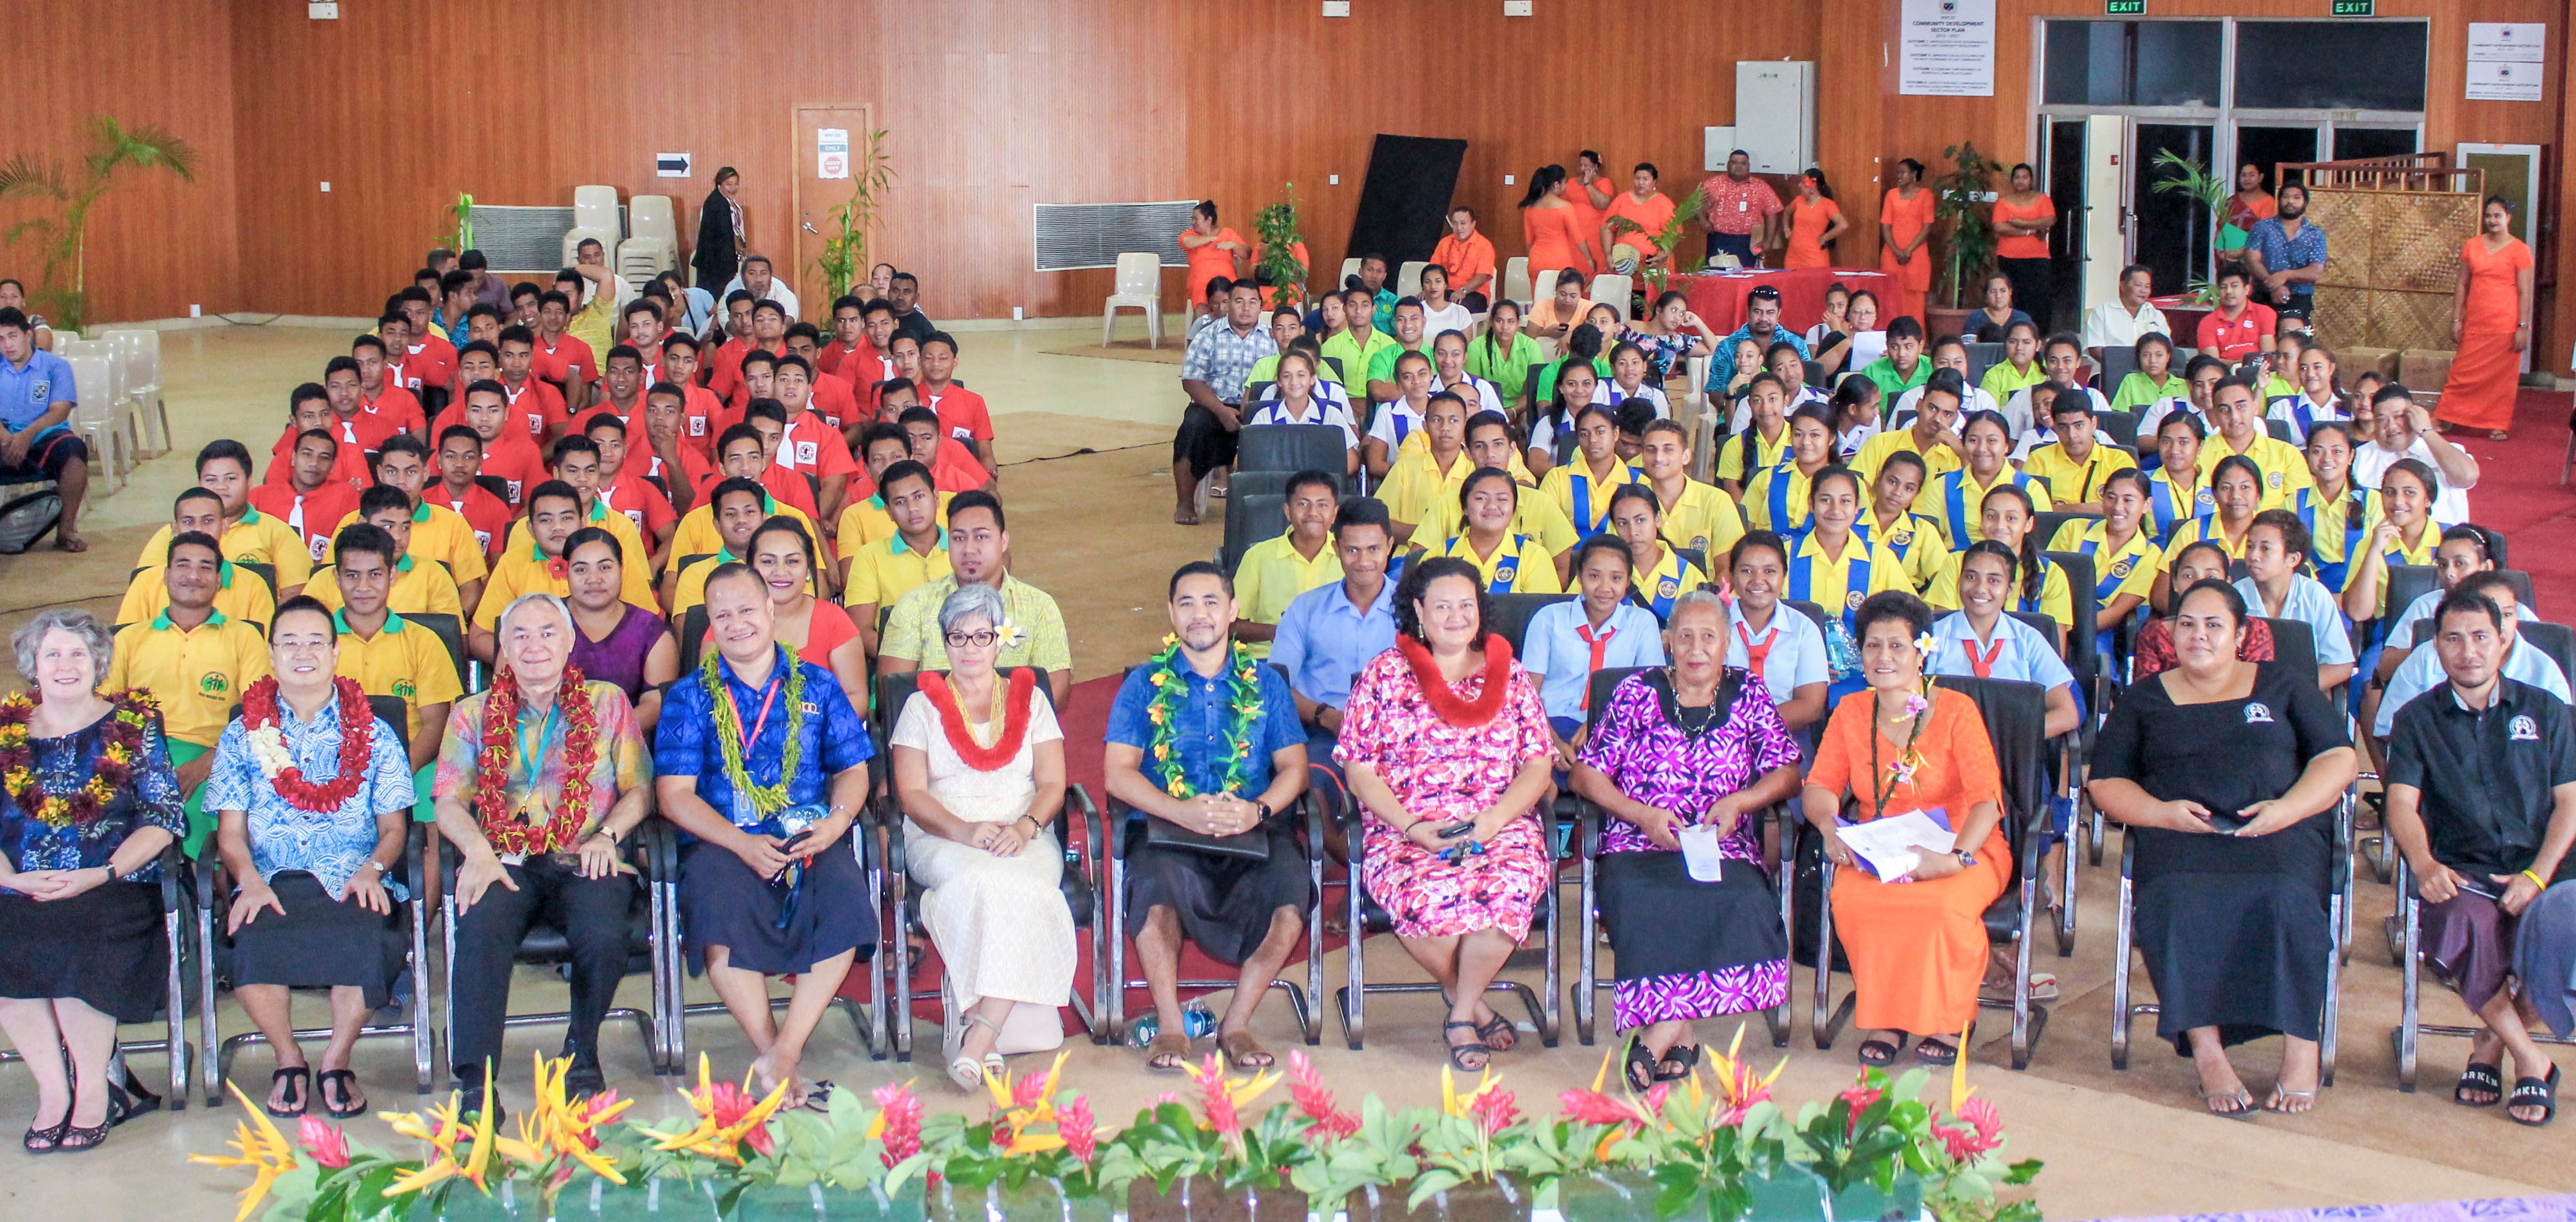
column 562, row 830
column 765, row 800
column 952, row 719
column 119, row 746
column 1909, row 759
column 1243, row 706
column 1464, row 714
column 267, row 737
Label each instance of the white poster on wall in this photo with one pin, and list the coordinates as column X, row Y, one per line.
column 2504, row 82
column 831, row 152
column 2507, row 60
column 1948, row 49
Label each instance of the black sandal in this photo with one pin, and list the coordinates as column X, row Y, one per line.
column 1458, row 1050
column 295, row 1106
column 75, row 1139
column 1678, row 1062
column 1640, row 1066
column 1499, row 1034
column 52, row 1138
column 1880, row 1051
column 2479, row 1076
column 1936, row 1053
column 348, row 1083
column 129, row 1101
column 2541, row 1093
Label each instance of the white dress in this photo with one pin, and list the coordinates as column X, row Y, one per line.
column 1000, row 923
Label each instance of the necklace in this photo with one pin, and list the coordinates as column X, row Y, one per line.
column 1464, row 714
column 1171, row 690
column 119, row 745
column 263, row 719
column 523, row 830
column 764, row 800
column 952, row 719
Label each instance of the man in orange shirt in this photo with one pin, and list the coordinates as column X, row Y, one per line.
column 665, row 451
column 532, row 398
column 622, row 376
column 563, row 358
column 1644, row 207
column 309, row 408
column 871, row 364
column 309, row 500
column 699, row 406
column 961, row 411
column 830, row 396
column 473, row 364
column 460, row 459
column 1740, row 213
column 809, row 443
column 931, row 447
column 2239, row 327
column 849, row 334
column 428, row 356
column 952, row 456
column 1468, row 257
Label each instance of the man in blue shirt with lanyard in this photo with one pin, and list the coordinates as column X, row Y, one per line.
column 36, row 398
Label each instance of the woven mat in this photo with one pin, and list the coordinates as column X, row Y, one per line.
column 1127, row 350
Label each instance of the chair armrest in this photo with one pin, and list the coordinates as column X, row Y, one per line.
column 418, row 851
column 1117, row 812
column 661, row 845
column 172, row 861
column 2128, row 851
column 1091, row 835
column 1592, row 821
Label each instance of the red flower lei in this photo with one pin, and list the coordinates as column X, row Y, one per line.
column 952, row 720
column 501, row 826
column 1464, row 714
column 357, row 743
column 119, row 746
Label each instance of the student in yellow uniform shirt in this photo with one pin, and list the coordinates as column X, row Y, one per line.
column 1829, row 565
column 1764, row 441
column 416, row 588
column 2006, row 516
column 882, row 571
column 195, row 661
column 2237, row 413
column 437, row 532
column 741, row 456
column 1958, row 497
column 576, row 465
column 534, row 562
column 1776, row 499
column 738, row 516
column 2236, row 490
column 1490, row 443
column 1506, row 561
column 239, row 595
column 387, row 656
column 2076, row 464
column 224, row 468
column 1273, row 572
column 1890, row 520
column 2406, row 534
column 2122, row 545
column 1657, row 573
column 1418, row 482
column 867, row 520
column 2338, row 513
column 1582, row 488
column 1930, row 437
column 1696, row 515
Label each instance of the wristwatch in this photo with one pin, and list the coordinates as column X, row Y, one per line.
column 1965, row 857
column 610, row 832
column 1264, row 808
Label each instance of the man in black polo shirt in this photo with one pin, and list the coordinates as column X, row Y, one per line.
column 2482, row 798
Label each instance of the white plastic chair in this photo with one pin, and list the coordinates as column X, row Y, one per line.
column 138, row 358
column 1408, row 279
column 1542, row 288
column 1612, row 291
column 1140, row 286
column 594, row 215
column 1516, row 280
column 94, row 416
column 654, row 247
column 1350, row 268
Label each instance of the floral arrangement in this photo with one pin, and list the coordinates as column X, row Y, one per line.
column 264, row 726
column 120, row 744
column 1171, row 691
column 1714, row 1147
column 538, row 833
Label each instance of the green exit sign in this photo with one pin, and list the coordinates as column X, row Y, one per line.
column 2125, row 8
column 2353, row 8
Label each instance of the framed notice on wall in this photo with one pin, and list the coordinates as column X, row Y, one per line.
column 2506, row 60
column 1949, row 49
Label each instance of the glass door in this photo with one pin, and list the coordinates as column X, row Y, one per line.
column 2267, row 146
column 2173, row 229
column 2353, row 143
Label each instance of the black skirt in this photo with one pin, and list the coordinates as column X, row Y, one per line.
column 105, row 947
column 1224, row 903
column 1663, row 922
column 2245, row 953
column 727, row 905
column 319, row 942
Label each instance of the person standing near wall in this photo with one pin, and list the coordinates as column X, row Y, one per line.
column 2490, row 326
column 724, row 231
column 2023, row 217
column 1739, row 211
column 1904, row 229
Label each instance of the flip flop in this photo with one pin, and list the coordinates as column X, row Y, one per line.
column 1937, row 1053
column 1887, row 1051
column 1171, row 1044
column 2479, row 1076
column 295, row 1106
column 2541, row 1093
column 1638, row 1067
column 1499, row 1034
column 2282, row 1096
column 2240, row 1101
column 1244, row 1052
column 348, row 1083
column 1683, row 1058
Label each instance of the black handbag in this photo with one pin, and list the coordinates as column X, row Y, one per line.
column 1253, row 845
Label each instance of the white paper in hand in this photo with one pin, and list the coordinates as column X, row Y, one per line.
column 1700, row 854
column 1891, row 847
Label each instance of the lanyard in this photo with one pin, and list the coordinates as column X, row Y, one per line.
column 532, row 762
column 767, row 701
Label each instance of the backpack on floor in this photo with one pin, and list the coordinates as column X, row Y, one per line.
column 28, row 518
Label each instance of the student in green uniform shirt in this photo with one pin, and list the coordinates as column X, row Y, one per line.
column 1503, row 354
column 2153, row 381
column 1903, row 367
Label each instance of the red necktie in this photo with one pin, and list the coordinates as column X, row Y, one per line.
column 1756, row 655
column 1984, row 666
column 1600, row 649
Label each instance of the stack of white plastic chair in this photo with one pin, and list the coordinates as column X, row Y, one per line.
column 654, row 246
column 138, row 354
column 94, row 415
column 594, row 215
column 1139, row 287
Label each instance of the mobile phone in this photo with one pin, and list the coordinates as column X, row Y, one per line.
column 1455, row 830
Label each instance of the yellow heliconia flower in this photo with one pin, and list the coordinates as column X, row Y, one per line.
column 1005, row 1092
column 1959, row 1088
column 1033, row 1143
column 714, row 1136
column 1241, row 1091
column 263, row 1149
column 1454, row 1104
column 1737, row 1086
column 445, row 1137
column 563, row 1127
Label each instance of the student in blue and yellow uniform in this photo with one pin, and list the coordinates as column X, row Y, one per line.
column 1891, row 520
column 2233, row 408
column 2237, row 486
column 1829, row 565
column 2175, row 491
column 1959, row 497
column 1421, row 483
column 1764, row 442
column 2337, row 513
column 2075, row 465
column 1776, row 498
column 1582, row 487
column 1696, row 515
column 2406, row 534
column 2125, row 557
column 1658, row 573
column 1931, row 435
column 2007, row 517
column 1506, row 561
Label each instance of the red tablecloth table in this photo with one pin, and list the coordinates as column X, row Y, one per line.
column 1718, row 297
column 2184, row 317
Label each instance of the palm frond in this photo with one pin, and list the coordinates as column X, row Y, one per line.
column 26, row 175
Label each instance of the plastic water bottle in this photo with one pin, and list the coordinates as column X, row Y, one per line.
column 1197, row 1021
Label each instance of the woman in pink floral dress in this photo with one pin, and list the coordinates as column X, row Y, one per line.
column 1448, row 749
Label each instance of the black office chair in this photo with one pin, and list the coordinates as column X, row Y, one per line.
column 1250, row 518
column 450, row 631
column 1290, row 447
column 2014, row 714
column 1275, row 483
column 2118, row 428
column 1982, row 357
column 2280, row 430
column 693, row 636
column 2556, row 640
column 1512, row 612
column 266, row 572
column 178, row 904
column 2044, row 524
column 2293, row 649
column 2116, row 365
column 2405, row 583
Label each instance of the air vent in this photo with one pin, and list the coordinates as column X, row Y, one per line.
column 1071, row 236
column 528, row 239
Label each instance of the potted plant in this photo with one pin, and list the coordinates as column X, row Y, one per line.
column 1658, row 270
column 843, row 260
column 1276, row 227
column 1215, row 1164
column 847, row 1164
column 1963, row 200
column 65, row 239
column 1038, row 1155
column 2178, row 174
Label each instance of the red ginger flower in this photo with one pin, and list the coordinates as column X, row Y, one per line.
column 1216, row 1099
column 1073, row 1122
column 1593, row 1107
column 1985, row 1131
column 899, row 1121
column 727, row 1104
column 1495, row 1110
column 325, row 1141
column 1306, row 1088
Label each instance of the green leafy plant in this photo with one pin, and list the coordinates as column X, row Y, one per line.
column 460, row 234
column 1276, row 226
column 2180, row 175
column 64, row 237
column 843, row 260
column 1658, row 271
column 1169, row 1144
column 1962, row 198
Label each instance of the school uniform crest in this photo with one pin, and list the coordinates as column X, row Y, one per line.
column 2523, row 729
column 1668, row 587
column 213, row 686
column 1852, row 599
column 2258, row 713
column 405, row 689
column 2123, row 566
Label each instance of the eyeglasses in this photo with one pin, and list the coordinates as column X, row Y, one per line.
column 979, row 640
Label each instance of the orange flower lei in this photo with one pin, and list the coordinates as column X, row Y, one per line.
column 501, row 826
column 119, row 746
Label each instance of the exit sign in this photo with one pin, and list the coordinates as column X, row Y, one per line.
column 2125, row 8
column 2353, row 8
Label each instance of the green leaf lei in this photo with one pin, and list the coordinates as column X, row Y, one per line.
column 766, row 800
column 1171, row 689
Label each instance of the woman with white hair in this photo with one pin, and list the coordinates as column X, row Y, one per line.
column 87, row 803
column 979, row 767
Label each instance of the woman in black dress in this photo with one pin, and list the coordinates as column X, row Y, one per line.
column 723, row 233
column 81, row 945
column 2220, row 768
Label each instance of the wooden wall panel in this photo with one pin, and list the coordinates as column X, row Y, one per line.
column 157, row 244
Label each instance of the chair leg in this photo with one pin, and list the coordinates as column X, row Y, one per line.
column 1551, row 1016
column 2120, row 974
column 1313, row 1027
column 208, row 1049
column 1587, row 976
column 1783, row 858
column 902, row 1024
column 1108, row 323
column 1113, row 1018
column 423, row 1047
column 1354, row 994
column 1819, row 1025
column 2023, row 1033
column 2066, row 893
column 174, row 985
column 2409, row 914
column 2339, row 908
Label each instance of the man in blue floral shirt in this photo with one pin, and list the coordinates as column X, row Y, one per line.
column 2287, row 253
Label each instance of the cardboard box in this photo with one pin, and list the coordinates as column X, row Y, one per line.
column 2355, row 362
column 2424, row 370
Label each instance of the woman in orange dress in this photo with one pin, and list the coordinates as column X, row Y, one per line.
column 1917, row 943
column 1904, row 229
column 1815, row 220
column 1552, row 227
column 1211, row 251
column 2490, row 326
column 2023, row 216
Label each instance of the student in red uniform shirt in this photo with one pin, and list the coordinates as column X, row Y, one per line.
column 351, row 423
column 664, row 452
column 508, row 455
column 523, row 305
column 562, row 357
column 475, row 364
column 699, row 407
column 902, row 396
column 961, row 411
column 921, row 426
column 759, row 372
column 723, row 362
column 881, row 445
column 309, row 500
column 460, row 459
column 849, row 331
column 427, row 355
column 308, row 407
column 625, row 490
column 830, row 396
column 769, row 323
column 483, row 324
column 871, row 364
column 621, row 382
column 809, row 445
column 379, row 389
column 644, row 334
column 756, row 460
column 2238, row 327
column 532, row 398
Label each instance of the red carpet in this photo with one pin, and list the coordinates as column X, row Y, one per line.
column 2518, row 493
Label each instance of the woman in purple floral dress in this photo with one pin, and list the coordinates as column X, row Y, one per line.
column 1447, row 747
column 1690, row 745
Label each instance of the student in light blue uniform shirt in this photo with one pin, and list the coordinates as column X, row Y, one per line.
column 1981, row 641
column 1601, row 629
column 2276, row 546
column 2422, row 671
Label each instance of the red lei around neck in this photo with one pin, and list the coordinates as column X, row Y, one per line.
column 260, row 710
column 952, row 719
column 1464, row 714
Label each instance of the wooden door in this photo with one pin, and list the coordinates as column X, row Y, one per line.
column 820, row 181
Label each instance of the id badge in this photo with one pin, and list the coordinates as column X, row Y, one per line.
column 743, row 814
